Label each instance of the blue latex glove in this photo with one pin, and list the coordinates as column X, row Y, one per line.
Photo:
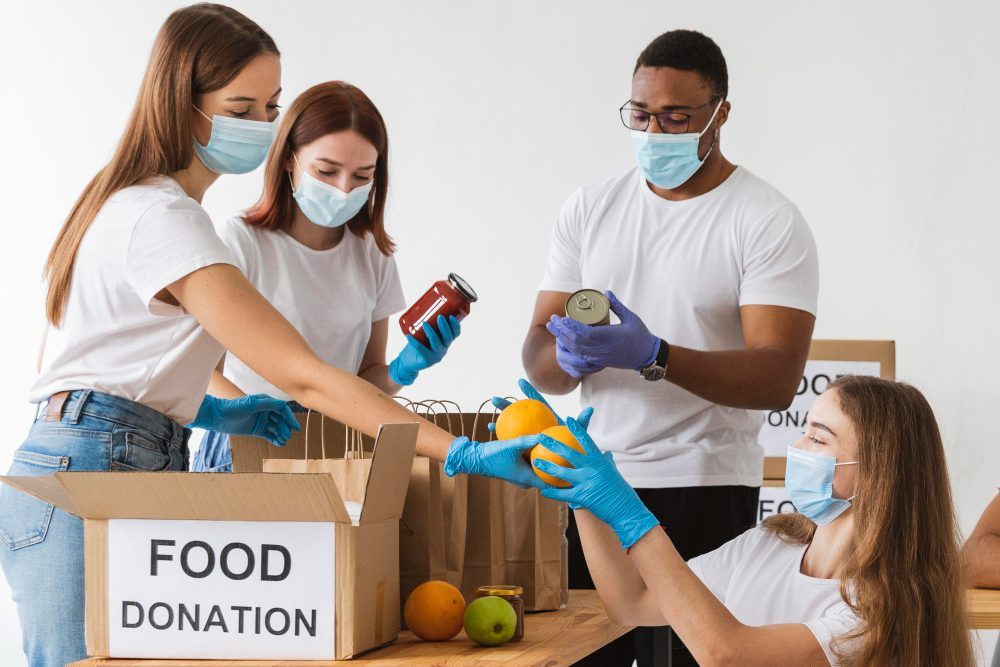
column 598, row 487
column 530, row 392
column 258, row 414
column 416, row 357
column 503, row 459
column 589, row 348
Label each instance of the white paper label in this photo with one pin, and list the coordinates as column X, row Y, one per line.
column 250, row 590
column 773, row 500
column 782, row 428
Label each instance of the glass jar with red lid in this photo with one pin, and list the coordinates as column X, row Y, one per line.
column 448, row 297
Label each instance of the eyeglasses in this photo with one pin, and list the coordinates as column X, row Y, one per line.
column 670, row 122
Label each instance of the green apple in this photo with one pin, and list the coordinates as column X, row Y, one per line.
column 490, row 620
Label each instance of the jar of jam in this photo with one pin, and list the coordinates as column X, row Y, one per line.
column 445, row 297
column 513, row 595
column 589, row 307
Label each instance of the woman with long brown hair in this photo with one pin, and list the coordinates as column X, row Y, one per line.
column 868, row 573
column 316, row 247
column 144, row 298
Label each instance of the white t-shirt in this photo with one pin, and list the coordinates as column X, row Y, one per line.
column 116, row 337
column 758, row 577
column 685, row 268
column 330, row 296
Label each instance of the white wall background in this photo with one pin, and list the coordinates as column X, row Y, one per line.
column 878, row 119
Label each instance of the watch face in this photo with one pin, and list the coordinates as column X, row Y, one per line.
column 653, row 373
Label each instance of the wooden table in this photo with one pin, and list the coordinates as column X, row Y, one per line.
column 550, row 638
column 983, row 607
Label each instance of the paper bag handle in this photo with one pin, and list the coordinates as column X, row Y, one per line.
column 322, row 433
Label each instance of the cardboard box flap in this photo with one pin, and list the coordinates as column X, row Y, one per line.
column 186, row 495
column 47, row 488
column 392, row 462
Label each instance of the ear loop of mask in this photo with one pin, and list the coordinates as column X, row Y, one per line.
column 847, row 463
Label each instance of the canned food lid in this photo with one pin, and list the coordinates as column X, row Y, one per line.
column 459, row 283
column 588, row 306
column 501, row 591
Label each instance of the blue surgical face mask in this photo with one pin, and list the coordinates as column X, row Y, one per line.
column 809, row 480
column 236, row 145
column 324, row 204
column 669, row 160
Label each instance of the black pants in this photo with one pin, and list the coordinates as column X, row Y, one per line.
column 698, row 520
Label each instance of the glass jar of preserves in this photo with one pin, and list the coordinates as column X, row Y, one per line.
column 448, row 297
column 513, row 595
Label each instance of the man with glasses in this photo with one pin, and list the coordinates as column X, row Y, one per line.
column 719, row 272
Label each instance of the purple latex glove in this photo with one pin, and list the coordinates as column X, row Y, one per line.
column 586, row 349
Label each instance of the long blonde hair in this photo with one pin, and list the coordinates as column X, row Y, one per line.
column 199, row 49
column 903, row 577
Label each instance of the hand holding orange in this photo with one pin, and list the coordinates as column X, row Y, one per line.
column 563, row 435
column 524, row 417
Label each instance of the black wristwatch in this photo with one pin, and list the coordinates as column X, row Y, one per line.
column 658, row 369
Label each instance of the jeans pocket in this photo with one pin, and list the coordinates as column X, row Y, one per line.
column 133, row 451
column 24, row 519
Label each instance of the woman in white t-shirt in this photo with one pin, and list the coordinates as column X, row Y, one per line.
column 144, row 299
column 316, row 247
column 867, row 574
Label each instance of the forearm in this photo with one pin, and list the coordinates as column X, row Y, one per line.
column 242, row 320
column 378, row 375
column 222, row 387
column 982, row 560
column 755, row 379
column 361, row 405
column 709, row 630
column 622, row 591
column 539, row 358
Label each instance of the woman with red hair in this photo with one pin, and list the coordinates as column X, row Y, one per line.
column 315, row 246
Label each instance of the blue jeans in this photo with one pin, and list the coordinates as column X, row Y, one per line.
column 41, row 546
column 216, row 454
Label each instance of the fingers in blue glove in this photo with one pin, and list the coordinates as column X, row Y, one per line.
column 500, row 403
column 288, row 417
column 560, row 495
column 573, row 457
column 579, row 432
column 568, row 475
column 530, row 392
column 584, row 418
column 279, row 432
column 444, row 330
column 432, row 337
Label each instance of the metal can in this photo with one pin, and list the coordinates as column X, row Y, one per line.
column 589, row 307
column 513, row 595
column 448, row 297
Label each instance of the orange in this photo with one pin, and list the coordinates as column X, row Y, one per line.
column 435, row 611
column 563, row 435
column 524, row 417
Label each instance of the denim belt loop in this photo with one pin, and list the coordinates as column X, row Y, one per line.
column 74, row 415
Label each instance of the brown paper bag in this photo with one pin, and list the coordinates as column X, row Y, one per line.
column 421, row 530
column 335, row 440
column 526, row 533
column 350, row 472
column 535, row 547
column 426, row 533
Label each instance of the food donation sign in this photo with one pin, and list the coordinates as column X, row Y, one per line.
column 220, row 588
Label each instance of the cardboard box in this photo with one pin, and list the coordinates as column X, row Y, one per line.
column 255, row 566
